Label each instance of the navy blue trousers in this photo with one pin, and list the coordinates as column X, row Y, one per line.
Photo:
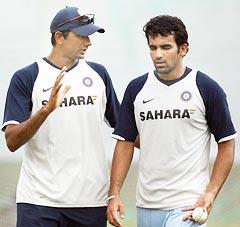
column 30, row 215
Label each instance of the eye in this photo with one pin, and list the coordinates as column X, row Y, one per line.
column 152, row 48
column 166, row 47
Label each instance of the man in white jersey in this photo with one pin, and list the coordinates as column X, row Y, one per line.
column 174, row 109
column 56, row 108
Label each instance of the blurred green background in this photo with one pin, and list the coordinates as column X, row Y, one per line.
column 224, row 214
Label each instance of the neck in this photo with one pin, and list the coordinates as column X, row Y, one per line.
column 60, row 60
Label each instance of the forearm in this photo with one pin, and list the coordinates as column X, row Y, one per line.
column 222, row 167
column 17, row 135
column 122, row 159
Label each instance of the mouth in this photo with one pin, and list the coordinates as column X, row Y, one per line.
column 83, row 51
column 160, row 63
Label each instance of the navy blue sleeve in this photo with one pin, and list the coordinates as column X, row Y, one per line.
column 217, row 111
column 126, row 126
column 113, row 105
column 18, row 104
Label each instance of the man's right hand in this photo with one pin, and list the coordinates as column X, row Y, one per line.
column 58, row 92
column 115, row 206
column 18, row 134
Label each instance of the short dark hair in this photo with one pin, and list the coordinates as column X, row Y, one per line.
column 166, row 25
column 64, row 33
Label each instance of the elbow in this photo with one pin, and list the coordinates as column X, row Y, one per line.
column 12, row 138
column 12, row 147
column 11, row 144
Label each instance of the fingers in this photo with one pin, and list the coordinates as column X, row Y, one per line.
column 115, row 206
column 207, row 206
column 61, row 75
column 66, row 89
column 58, row 84
column 199, row 211
column 61, row 93
column 189, row 211
column 58, row 92
column 56, row 89
column 113, row 219
column 187, row 216
column 59, row 89
column 121, row 211
column 188, row 208
column 198, row 215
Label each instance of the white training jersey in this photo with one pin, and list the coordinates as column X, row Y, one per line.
column 64, row 163
column 175, row 122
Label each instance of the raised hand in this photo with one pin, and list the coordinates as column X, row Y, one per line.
column 58, row 91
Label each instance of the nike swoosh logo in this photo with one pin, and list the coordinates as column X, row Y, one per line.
column 149, row 100
column 44, row 90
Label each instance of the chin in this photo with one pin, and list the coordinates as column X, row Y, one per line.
column 81, row 57
column 163, row 70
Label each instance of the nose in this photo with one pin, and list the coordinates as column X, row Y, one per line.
column 159, row 53
column 87, row 41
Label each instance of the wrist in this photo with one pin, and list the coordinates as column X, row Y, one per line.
column 110, row 197
column 212, row 190
column 46, row 109
column 211, row 195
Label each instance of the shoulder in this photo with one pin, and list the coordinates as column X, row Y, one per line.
column 32, row 68
column 209, row 89
column 24, row 78
column 97, row 67
column 101, row 71
column 135, row 86
column 138, row 83
column 205, row 82
column 29, row 72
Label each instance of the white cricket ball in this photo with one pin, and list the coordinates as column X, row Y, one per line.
column 199, row 215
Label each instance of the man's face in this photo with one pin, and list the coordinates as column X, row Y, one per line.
column 75, row 46
column 165, row 54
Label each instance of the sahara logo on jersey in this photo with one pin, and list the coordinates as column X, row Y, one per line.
column 76, row 101
column 166, row 114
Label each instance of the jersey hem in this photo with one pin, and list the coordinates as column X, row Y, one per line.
column 9, row 123
column 227, row 138
column 162, row 207
column 118, row 137
column 63, row 204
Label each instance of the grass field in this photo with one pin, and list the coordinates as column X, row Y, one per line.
column 9, row 172
column 226, row 211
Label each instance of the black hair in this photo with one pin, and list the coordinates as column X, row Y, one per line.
column 166, row 25
column 64, row 33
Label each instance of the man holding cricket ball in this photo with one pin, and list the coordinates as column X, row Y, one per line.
column 174, row 109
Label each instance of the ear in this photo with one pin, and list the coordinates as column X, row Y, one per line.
column 59, row 38
column 184, row 49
